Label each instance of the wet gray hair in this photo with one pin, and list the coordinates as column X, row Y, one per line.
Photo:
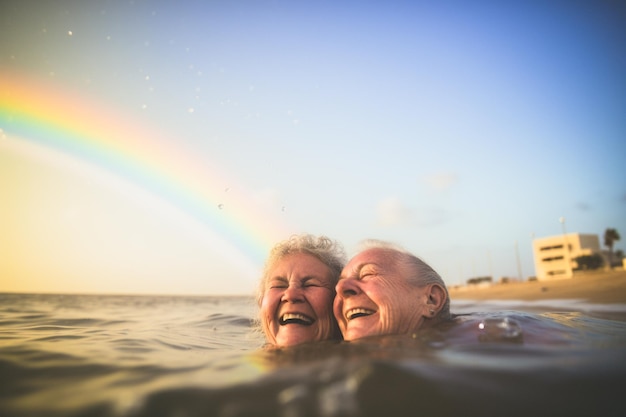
column 328, row 251
column 421, row 273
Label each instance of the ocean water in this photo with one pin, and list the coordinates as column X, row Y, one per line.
column 131, row 356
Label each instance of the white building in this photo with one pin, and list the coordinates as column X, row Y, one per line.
column 554, row 255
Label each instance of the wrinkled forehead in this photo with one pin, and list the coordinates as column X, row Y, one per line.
column 378, row 257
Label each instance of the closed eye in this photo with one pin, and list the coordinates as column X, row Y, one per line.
column 367, row 271
column 278, row 283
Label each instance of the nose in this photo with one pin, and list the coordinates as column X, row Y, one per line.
column 347, row 287
column 293, row 294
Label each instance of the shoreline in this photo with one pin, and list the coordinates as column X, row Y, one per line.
column 604, row 287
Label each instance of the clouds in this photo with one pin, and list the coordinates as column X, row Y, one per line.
column 394, row 211
column 391, row 211
column 441, row 181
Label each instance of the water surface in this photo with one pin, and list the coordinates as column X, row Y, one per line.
column 85, row 355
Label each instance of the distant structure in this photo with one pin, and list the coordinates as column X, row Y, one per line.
column 554, row 255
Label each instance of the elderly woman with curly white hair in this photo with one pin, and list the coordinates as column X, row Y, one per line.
column 297, row 290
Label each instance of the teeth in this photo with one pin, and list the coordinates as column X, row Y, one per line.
column 358, row 312
column 296, row 317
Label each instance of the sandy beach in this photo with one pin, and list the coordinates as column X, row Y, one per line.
column 596, row 287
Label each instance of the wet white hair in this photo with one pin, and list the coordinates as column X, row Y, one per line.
column 421, row 273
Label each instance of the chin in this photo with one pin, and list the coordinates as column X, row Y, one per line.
column 358, row 334
column 291, row 340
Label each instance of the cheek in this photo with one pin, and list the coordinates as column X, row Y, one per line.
column 267, row 312
column 268, row 306
column 408, row 304
column 382, row 294
column 323, row 304
column 338, row 307
column 391, row 300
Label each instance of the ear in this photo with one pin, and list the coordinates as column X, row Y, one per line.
column 435, row 299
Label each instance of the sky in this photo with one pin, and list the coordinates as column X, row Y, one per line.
column 163, row 147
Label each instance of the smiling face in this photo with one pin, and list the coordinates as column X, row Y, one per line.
column 297, row 301
column 374, row 297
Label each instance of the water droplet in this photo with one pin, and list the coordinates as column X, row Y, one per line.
column 220, row 206
column 499, row 329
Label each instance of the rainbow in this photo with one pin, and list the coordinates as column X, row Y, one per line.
column 68, row 123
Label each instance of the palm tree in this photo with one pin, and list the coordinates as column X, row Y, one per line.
column 610, row 237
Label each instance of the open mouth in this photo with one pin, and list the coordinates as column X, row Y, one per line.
column 355, row 313
column 295, row 318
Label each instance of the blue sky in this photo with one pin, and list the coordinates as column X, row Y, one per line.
column 455, row 129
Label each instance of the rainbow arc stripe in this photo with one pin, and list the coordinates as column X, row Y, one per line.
column 70, row 124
